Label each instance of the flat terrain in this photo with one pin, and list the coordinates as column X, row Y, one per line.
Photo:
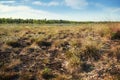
column 60, row 52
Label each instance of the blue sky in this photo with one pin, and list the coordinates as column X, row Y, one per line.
column 76, row 10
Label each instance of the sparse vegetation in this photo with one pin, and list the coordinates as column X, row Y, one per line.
column 60, row 52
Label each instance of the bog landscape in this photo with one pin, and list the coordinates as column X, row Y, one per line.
column 60, row 51
column 59, row 39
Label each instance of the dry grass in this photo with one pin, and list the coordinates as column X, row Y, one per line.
column 69, row 52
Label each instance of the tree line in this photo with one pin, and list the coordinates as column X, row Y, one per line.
column 32, row 21
column 45, row 21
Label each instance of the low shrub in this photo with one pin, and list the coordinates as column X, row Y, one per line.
column 116, row 36
column 90, row 51
column 14, row 44
column 47, row 74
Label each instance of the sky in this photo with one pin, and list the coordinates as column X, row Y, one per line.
column 75, row 10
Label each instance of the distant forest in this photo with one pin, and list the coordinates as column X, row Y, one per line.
column 40, row 21
column 32, row 21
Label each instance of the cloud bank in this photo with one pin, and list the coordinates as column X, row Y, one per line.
column 25, row 12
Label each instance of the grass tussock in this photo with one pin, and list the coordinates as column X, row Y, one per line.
column 90, row 50
column 115, row 35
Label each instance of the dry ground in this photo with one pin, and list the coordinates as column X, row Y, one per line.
column 62, row 52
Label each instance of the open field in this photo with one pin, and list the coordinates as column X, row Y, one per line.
column 60, row 52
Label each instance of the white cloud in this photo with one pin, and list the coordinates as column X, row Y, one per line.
column 37, row 3
column 108, row 9
column 26, row 0
column 52, row 3
column 113, row 10
column 7, row 2
column 117, row 10
column 76, row 4
column 24, row 12
column 7, row 8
